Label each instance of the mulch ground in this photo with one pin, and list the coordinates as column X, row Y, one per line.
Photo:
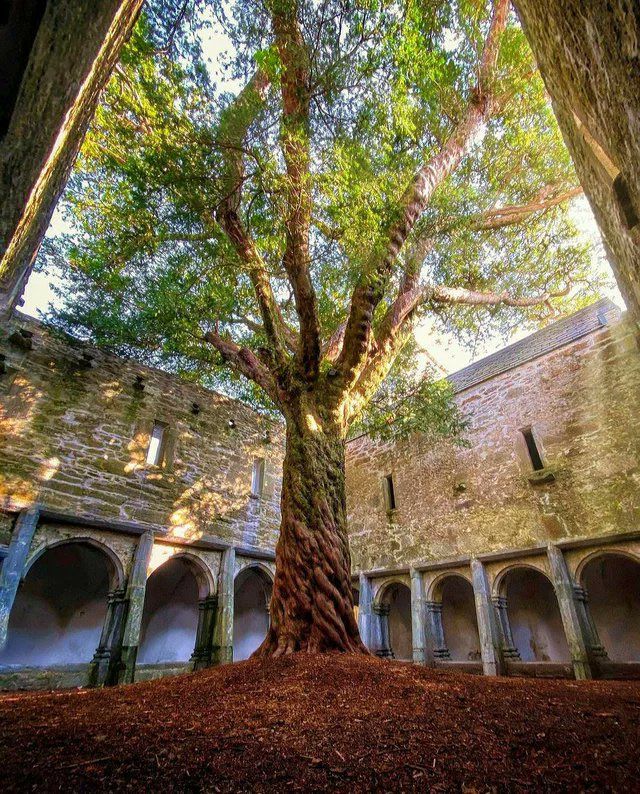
column 327, row 722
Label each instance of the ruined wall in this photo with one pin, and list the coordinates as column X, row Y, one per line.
column 74, row 432
column 77, row 45
column 581, row 400
column 589, row 56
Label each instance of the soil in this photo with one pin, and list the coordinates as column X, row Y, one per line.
column 325, row 722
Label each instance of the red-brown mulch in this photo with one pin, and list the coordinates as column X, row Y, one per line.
column 327, row 722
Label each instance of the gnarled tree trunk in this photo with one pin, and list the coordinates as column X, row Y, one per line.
column 312, row 602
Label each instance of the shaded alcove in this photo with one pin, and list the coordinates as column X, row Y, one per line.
column 459, row 620
column 397, row 597
column 170, row 615
column 252, row 593
column 60, row 607
column 612, row 582
column 534, row 616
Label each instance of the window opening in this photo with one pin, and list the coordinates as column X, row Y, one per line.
column 155, row 450
column 257, row 477
column 532, row 448
column 389, row 492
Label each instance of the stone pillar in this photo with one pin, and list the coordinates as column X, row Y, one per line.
column 13, row 566
column 365, row 616
column 380, row 634
column 509, row 650
column 488, row 629
column 597, row 651
column 104, row 666
column 135, row 605
column 207, row 609
column 75, row 49
column 569, row 612
column 440, row 650
column 222, row 650
column 421, row 650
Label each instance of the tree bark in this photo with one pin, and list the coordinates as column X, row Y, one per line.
column 312, row 601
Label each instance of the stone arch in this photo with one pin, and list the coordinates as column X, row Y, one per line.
column 594, row 555
column 531, row 604
column 252, row 593
column 60, row 608
column 202, row 572
column 117, row 575
column 611, row 580
column 171, row 605
column 393, row 604
column 453, row 594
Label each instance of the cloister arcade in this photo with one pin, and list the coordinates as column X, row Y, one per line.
column 252, row 594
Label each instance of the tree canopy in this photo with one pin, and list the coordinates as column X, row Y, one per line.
column 360, row 165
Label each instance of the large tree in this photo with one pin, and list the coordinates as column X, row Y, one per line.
column 383, row 161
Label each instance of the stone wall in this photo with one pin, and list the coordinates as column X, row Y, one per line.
column 589, row 57
column 74, row 431
column 581, row 401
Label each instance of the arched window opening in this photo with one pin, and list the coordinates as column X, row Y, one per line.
column 534, row 617
column 251, row 612
column 612, row 583
column 459, row 621
column 397, row 600
column 170, row 615
column 60, row 607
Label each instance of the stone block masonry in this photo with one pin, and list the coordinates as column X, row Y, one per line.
column 580, row 401
column 75, row 425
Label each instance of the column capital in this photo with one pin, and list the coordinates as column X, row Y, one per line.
column 433, row 606
column 380, row 609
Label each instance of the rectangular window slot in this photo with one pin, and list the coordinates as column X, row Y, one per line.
column 155, row 451
column 389, row 493
column 257, row 477
column 532, row 449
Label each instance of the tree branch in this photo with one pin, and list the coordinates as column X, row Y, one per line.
column 295, row 134
column 234, row 125
column 397, row 325
column 244, row 361
column 370, row 290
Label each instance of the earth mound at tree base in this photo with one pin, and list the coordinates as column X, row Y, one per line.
column 325, row 722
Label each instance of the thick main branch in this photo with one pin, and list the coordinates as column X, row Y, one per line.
column 371, row 288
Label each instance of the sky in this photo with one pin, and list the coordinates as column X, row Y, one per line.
column 444, row 349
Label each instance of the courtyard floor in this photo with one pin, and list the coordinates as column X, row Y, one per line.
column 328, row 722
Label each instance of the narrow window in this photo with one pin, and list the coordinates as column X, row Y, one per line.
column 532, row 448
column 257, row 477
column 389, row 493
column 155, row 450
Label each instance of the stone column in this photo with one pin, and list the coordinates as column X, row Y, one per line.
column 421, row 653
column 563, row 586
column 365, row 616
column 222, row 650
column 488, row 630
column 440, row 650
column 380, row 633
column 509, row 650
column 135, row 605
column 597, row 651
column 103, row 669
column 13, row 565
column 207, row 609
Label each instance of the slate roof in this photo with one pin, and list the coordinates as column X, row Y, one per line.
column 555, row 335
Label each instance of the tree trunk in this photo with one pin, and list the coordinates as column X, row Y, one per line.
column 312, row 601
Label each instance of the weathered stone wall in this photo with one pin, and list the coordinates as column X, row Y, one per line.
column 589, row 56
column 74, row 432
column 75, row 49
column 582, row 402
